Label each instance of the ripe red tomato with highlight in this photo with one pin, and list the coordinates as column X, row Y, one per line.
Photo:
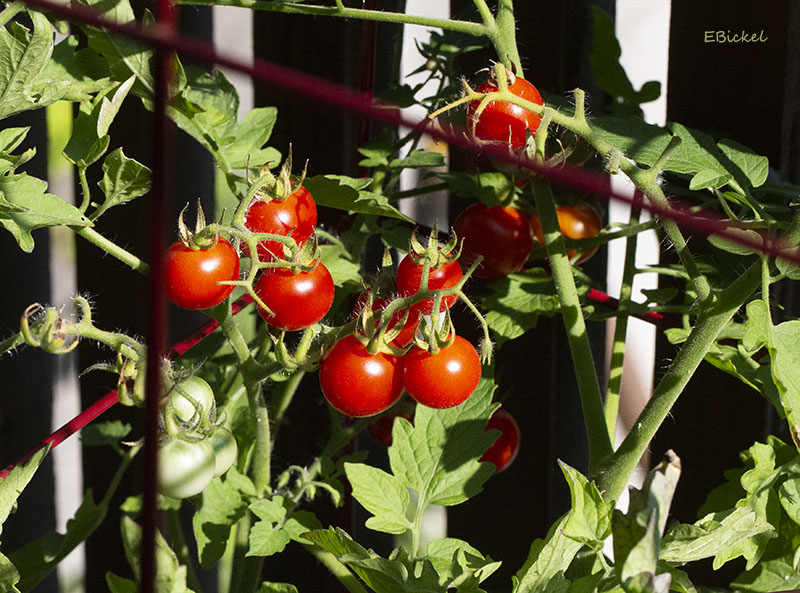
column 504, row 450
column 295, row 217
column 444, row 379
column 357, row 383
column 409, row 279
column 296, row 300
column 504, row 122
column 191, row 275
column 500, row 234
column 580, row 221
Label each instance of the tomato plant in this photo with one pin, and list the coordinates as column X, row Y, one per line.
column 357, row 383
column 580, row 221
column 444, row 379
column 185, row 467
column 192, row 276
column 295, row 217
column 500, row 235
column 504, row 450
column 295, row 299
column 265, row 472
column 502, row 122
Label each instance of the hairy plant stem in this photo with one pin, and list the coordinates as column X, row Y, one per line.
column 585, row 372
column 469, row 28
column 504, row 36
column 111, row 248
column 252, row 375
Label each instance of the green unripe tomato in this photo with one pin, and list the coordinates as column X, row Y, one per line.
column 185, row 468
column 225, row 449
column 191, row 395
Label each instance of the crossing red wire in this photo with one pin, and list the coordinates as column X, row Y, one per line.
column 335, row 95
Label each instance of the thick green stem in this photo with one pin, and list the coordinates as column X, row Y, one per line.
column 613, row 474
column 504, row 36
column 252, row 374
column 585, row 372
column 621, row 329
column 476, row 29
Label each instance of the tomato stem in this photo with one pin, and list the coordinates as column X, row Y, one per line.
column 585, row 372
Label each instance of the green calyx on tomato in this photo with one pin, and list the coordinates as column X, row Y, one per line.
column 429, row 268
column 190, row 407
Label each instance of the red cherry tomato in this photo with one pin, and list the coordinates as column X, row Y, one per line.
column 409, row 279
column 444, row 379
column 504, row 450
column 296, row 216
column 191, row 275
column 358, row 383
column 296, row 300
column 580, row 221
column 500, row 234
column 505, row 122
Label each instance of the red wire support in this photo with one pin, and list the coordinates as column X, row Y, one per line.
column 109, row 399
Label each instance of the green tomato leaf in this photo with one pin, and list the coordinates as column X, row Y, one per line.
column 492, row 188
column 40, row 557
column 342, row 269
column 455, row 561
column 419, row 158
column 750, row 169
column 249, row 139
column 267, row 587
column 219, row 507
column 99, row 434
column 709, row 178
column 32, row 208
column 267, row 536
column 117, row 584
column 89, row 139
column 437, row 456
column 9, row 576
column 734, row 247
column 785, row 357
column 170, row 574
column 770, row 575
column 516, row 302
column 346, row 193
column 712, row 535
column 590, row 521
column 382, row 495
column 124, row 179
column 86, row 72
column 642, row 142
column 789, row 495
column 548, row 559
column 125, row 57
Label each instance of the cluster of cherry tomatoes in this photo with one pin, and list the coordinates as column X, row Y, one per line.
column 193, row 450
